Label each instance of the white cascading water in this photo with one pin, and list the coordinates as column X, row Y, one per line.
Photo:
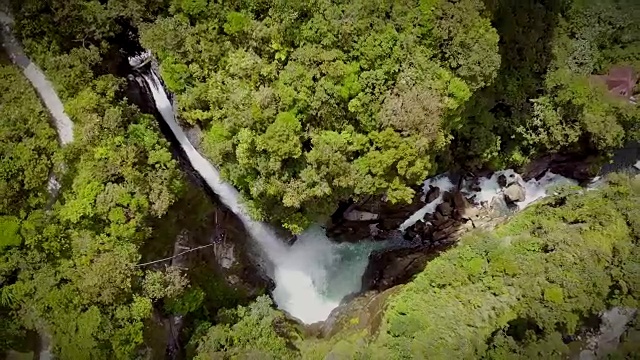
column 490, row 189
column 314, row 274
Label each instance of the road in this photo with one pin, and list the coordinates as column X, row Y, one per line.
column 62, row 123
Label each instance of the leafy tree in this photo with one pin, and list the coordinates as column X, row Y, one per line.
column 268, row 85
column 73, row 274
column 27, row 145
column 256, row 331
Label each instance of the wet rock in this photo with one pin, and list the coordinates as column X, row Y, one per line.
column 445, row 209
column 463, row 207
column 577, row 166
column 447, row 197
column 446, row 230
column 514, row 193
column 582, row 170
column 446, row 224
column 372, row 210
column 456, row 215
column 419, row 227
column 357, row 314
column 356, row 215
column 351, row 231
column 428, row 231
column 390, row 224
column 432, row 194
column 438, row 219
column 498, row 208
column 502, row 181
column 428, row 217
column 388, row 268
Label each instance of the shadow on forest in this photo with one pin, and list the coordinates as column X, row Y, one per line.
column 526, row 29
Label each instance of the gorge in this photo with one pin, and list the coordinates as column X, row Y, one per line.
column 313, row 275
column 319, row 180
column 305, row 274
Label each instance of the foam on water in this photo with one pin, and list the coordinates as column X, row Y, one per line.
column 534, row 189
column 489, row 190
column 441, row 181
column 317, row 274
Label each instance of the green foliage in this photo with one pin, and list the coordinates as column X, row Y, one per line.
column 73, row 275
column 510, row 293
column 257, row 331
column 513, row 290
column 271, row 86
column 189, row 301
column 9, row 232
column 159, row 284
column 27, row 145
column 68, row 25
column 175, row 75
column 236, row 22
column 545, row 98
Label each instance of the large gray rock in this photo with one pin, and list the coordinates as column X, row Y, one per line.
column 445, row 209
column 388, row 268
column 432, row 194
column 514, row 193
column 357, row 215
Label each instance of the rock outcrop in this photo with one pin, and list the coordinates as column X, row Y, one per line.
column 578, row 167
column 515, row 192
column 372, row 218
column 432, row 234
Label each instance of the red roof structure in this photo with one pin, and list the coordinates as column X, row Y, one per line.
column 620, row 81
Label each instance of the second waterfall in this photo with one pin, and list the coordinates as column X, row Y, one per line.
column 314, row 274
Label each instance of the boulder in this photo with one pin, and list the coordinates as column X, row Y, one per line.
column 351, row 223
column 445, row 209
column 388, row 268
column 428, row 217
column 356, row 215
column 447, row 197
column 428, row 231
column 419, row 227
column 502, row 180
column 446, row 224
column 577, row 166
column 351, row 231
column 446, row 231
column 514, row 193
column 432, row 194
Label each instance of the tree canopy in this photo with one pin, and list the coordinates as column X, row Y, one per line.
column 303, row 105
column 308, row 103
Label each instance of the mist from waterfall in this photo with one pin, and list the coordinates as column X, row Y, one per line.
column 314, row 274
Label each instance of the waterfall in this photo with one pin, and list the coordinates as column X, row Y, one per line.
column 229, row 196
column 314, row 274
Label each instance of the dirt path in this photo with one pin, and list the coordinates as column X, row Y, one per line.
column 62, row 123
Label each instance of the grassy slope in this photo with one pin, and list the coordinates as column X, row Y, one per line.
column 515, row 291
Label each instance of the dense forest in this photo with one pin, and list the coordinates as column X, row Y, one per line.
column 303, row 106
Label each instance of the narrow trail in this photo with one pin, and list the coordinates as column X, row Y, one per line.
column 62, row 123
